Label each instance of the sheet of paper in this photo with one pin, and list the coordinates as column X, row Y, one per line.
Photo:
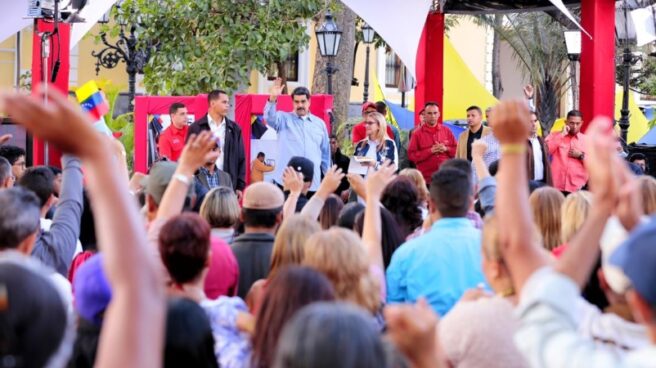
column 357, row 168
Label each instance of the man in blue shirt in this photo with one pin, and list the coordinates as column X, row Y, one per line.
column 299, row 133
column 445, row 262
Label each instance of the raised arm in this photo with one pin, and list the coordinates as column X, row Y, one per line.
column 487, row 185
column 372, row 231
column 293, row 182
column 519, row 250
column 133, row 329
column 56, row 247
column 270, row 113
column 196, row 152
column 328, row 186
column 606, row 172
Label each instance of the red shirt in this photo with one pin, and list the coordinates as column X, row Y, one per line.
column 568, row 173
column 172, row 141
column 223, row 275
column 419, row 149
column 360, row 132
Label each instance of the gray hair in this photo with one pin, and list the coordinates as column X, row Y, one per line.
column 20, row 216
column 5, row 169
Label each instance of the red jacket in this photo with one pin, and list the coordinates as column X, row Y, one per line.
column 360, row 132
column 419, row 149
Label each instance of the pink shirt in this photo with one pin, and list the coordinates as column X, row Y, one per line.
column 569, row 174
column 223, row 275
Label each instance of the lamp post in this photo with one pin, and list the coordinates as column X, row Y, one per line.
column 328, row 38
column 626, row 35
column 124, row 50
column 368, row 38
column 573, row 45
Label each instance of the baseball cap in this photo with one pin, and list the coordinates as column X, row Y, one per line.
column 158, row 179
column 367, row 105
column 637, row 259
column 304, row 166
column 263, row 196
column 92, row 290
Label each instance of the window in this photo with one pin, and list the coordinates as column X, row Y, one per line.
column 291, row 69
column 392, row 69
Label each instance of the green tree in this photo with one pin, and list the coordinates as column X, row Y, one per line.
column 199, row 45
column 539, row 49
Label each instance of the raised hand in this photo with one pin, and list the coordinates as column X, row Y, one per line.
column 292, row 180
column 331, row 181
column 629, row 208
column 378, row 180
column 5, row 138
column 276, row 89
column 68, row 128
column 600, row 145
column 478, row 148
column 357, row 184
column 509, row 122
column 413, row 329
column 529, row 91
column 565, row 130
column 197, row 151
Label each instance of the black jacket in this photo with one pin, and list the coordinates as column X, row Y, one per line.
column 234, row 157
column 253, row 253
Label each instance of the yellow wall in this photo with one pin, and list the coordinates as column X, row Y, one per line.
column 86, row 63
column 469, row 40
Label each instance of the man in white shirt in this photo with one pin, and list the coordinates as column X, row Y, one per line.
column 539, row 168
column 229, row 138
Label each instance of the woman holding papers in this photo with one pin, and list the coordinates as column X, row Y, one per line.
column 377, row 147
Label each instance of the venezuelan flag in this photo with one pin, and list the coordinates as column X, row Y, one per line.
column 92, row 100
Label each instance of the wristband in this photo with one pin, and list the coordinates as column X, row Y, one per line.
column 513, row 148
column 183, row 179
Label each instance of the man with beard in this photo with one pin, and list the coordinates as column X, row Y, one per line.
column 299, row 133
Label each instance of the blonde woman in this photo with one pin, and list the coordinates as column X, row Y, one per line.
column 648, row 188
column 220, row 209
column 288, row 249
column 478, row 331
column 377, row 145
column 573, row 213
column 339, row 254
column 545, row 204
column 418, row 179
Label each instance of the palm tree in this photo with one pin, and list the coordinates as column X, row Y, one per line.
column 539, row 50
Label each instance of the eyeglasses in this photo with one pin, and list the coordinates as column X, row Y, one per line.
column 370, row 122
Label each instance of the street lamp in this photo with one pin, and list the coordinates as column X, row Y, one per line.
column 124, row 50
column 573, row 45
column 368, row 38
column 626, row 35
column 328, row 37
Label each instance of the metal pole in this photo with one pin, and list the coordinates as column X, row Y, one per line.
column 365, row 95
column 624, row 119
column 17, row 70
column 329, row 80
column 131, row 68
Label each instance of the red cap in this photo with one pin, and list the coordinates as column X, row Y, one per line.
column 367, row 105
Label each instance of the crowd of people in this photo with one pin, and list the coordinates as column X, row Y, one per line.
column 500, row 249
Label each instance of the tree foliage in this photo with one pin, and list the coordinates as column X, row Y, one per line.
column 539, row 49
column 199, row 45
